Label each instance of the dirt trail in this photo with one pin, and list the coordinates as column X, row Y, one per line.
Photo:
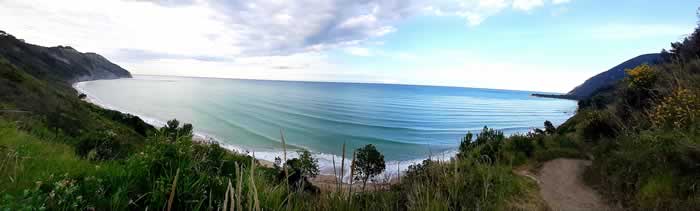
column 562, row 187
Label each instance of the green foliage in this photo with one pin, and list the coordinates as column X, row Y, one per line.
column 650, row 158
column 489, row 140
column 99, row 146
column 369, row 163
column 523, row 144
column 466, row 144
column 301, row 170
column 596, row 125
column 549, row 127
column 670, row 163
column 173, row 131
column 480, row 178
column 686, row 50
column 677, row 111
column 308, row 164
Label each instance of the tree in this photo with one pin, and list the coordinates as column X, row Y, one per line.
column 173, row 131
column 465, row 145
column 368, row 163
column 549, row 127
column 308, row 164
column 301, row 169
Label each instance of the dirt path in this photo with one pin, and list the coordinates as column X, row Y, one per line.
column 562, row 187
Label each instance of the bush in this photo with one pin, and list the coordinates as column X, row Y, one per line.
column 523, row 144
column 677, row 111
column 99, row 146
column 301, row 170
column 641, row 77
column 596, row 125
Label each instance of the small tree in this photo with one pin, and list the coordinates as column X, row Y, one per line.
column 301, row 169
column 173, row 130
column 308, row 164
column 549, row 127
column 369, row 163
column 465, row 145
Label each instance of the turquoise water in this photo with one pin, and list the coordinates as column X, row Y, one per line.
column 407, row 123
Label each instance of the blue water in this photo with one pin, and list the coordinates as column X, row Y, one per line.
column 405, row 122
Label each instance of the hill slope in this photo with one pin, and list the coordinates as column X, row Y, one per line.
column 35, row 83
column 61, row 63
column 611, row 77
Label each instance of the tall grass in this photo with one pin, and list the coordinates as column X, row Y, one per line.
column 177, row 174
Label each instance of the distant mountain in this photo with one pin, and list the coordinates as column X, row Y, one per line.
column 609, row 78
column 60, row 63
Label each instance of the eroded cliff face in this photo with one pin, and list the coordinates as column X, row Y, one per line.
column 62, row 63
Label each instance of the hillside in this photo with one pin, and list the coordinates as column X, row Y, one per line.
column 61, row 63
column 612, row 76
column 37, row 93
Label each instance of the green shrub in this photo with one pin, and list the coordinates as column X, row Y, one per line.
column 523, row 144
column 99, row 146
column 596, row 125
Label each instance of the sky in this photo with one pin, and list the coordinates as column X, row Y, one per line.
column 534, row 45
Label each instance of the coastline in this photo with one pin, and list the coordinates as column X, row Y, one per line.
column 556, row 96
column 266, row 158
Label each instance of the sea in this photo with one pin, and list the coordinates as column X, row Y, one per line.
column 406, row 123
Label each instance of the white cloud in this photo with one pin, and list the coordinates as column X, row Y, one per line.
column 474, row 12
column 260, row 39
column 477, row 11
column 527, row 5
column 358, row 51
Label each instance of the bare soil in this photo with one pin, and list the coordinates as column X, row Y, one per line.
column 562, row 187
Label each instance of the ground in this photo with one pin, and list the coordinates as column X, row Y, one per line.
column 562, row 187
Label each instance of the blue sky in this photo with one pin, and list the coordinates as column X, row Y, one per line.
column 539, row 45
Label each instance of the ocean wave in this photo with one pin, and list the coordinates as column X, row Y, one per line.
column 325, row 159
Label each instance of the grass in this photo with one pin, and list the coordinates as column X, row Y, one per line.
column 183, row 175
column 26, row 159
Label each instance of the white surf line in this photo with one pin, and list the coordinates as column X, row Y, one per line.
column 325, row 159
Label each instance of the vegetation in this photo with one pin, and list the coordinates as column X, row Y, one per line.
column 300, row 170
column 646, row 133
column 369, row 163
column 61, row 153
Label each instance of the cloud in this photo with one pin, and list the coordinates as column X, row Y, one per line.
column 309, row 24
column 477, row 11
column 226, row 28
column 261, row 39
column 474, row 12
column 231, row 28
column 358, row 51
column 560, row 1
column 527, row 5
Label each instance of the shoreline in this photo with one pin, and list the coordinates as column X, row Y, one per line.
column 266, row 158
column 328, row 162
